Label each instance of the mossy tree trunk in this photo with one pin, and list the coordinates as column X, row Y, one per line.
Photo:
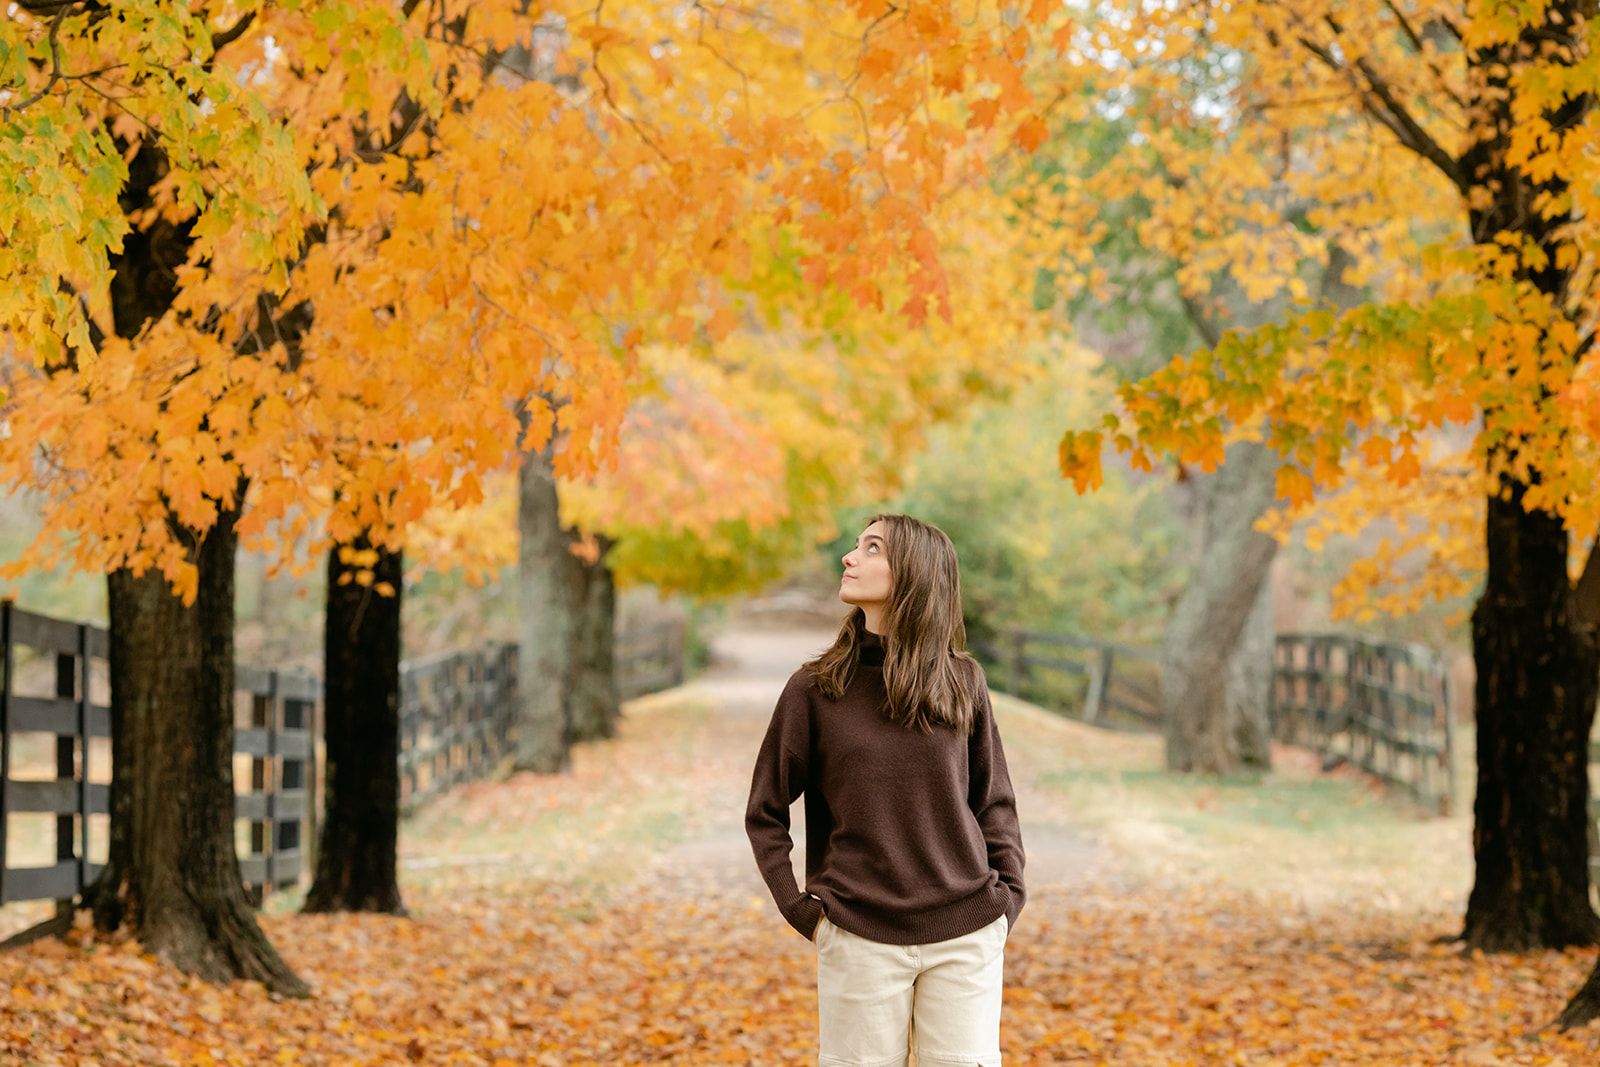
column 593, row 685
column 1215, row 720
column 546, row 620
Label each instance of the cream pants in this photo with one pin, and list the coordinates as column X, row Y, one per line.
column 878, row 1002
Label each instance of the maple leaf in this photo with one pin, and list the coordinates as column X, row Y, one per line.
column 1295, row 486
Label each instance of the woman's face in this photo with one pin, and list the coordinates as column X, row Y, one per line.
column 867, row 580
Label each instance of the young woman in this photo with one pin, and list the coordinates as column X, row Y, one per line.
column 913, row 854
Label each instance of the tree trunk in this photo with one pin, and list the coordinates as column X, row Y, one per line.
column 544, row 650
column 1537, row 666
column 595, row 708
column 1217, row 654
column 1215, row 723
column 357, row 853
column 1248, row 691
column 173, row 875
column 1537, row 679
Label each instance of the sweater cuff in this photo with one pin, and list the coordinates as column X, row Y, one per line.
column 1013, row 909
column 804, row 915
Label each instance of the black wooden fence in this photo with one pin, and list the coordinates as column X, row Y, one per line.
column 278, row 738
column 1385, row 707
column 1112, row 684
column 457, row 712
column 37, row 647
column 650, row 658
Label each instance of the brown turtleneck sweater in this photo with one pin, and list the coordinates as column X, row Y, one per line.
column 911, row 838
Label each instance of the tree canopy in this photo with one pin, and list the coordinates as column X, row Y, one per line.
column 469, row 208
column 1272, row 135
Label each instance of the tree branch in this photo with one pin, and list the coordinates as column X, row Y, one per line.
column 1412, row 135
column 49, row 7
column 1379, row 101
column 1405, row 26
column 221, row 40
column 1416, row 42
column 1200, row 321
column 1450, row 27
column 56, row 73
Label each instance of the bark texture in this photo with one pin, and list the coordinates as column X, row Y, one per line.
column 1214, row 691
column 595, row 707
column 357, row 856
column 173, row 875
column 1537, row 664
column 1248, row 689
column 546, row 627
column 1584, row 1007
column 1537, row 680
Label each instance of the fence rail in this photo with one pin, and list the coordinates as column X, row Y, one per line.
column 456, row 723
column 1385, row 707
column 280, row 744
column 1106, row 680
column 649, row 658
column 456, row 714
column 70, row 718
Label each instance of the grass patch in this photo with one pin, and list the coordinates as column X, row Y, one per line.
column 1229, row 804
column 1324, row 840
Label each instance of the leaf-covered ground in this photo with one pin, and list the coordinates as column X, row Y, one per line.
column 611, row 916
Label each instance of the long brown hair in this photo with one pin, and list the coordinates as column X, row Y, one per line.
column 926, row 670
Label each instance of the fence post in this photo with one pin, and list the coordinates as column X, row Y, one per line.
column 1447, row 802
column 66, row 770
column 1019, row 642
column 270, row 783
column 678, row 640
column 1099, row 683
column 314, row 785
column 1350, row 710
column 83, row 762
column 5, row 735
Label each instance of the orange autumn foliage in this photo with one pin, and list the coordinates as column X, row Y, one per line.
column 481, row 207
column 1268, row 137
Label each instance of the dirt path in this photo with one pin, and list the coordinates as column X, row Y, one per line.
column 751, row 667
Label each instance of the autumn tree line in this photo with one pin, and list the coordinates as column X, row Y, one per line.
column 318, row 277
column 321, row 278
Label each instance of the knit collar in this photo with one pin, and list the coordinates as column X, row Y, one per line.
column 869, row 646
